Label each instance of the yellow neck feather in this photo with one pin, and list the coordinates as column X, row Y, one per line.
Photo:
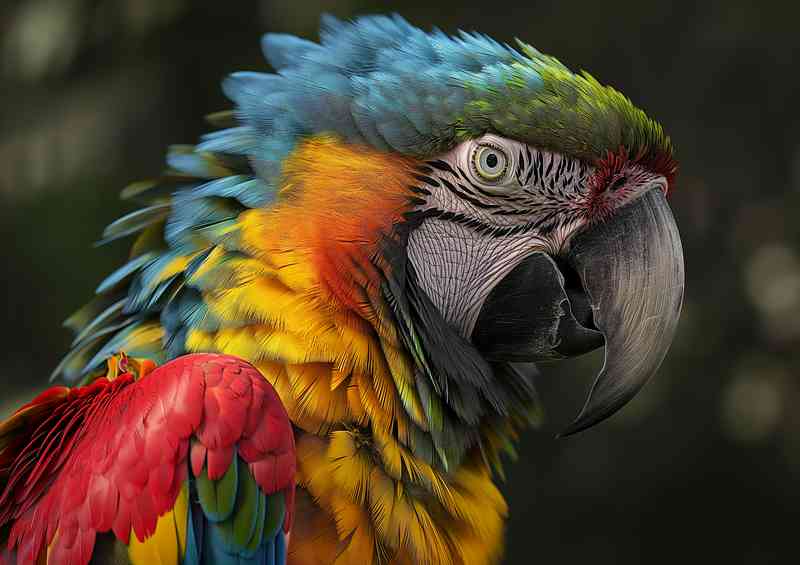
column 304, row 305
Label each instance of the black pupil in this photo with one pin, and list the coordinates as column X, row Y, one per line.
column 491, row 160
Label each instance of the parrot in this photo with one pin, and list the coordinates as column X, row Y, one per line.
column 323, row 345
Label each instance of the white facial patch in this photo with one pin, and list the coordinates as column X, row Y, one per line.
column 488, row 204
column 458, row 267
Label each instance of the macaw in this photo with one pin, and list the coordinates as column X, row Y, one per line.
column 380, row 242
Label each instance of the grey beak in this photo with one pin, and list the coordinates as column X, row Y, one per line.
column 631, row 268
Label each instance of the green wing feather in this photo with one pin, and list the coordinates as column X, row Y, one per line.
column 239, row 522
column 218, row 497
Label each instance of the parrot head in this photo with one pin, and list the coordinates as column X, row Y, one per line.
column 506, row 209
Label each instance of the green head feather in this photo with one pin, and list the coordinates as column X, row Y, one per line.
column 382, row 82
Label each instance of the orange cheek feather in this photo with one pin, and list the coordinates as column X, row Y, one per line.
column 337, row 203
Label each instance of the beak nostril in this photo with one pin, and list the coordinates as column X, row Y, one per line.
column 618, row 183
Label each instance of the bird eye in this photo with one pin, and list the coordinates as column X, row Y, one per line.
column 490, row 163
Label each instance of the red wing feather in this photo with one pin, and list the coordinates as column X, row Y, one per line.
column 113, row 455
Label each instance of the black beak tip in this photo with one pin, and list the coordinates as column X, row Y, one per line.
column 583, row 422
column 574, row 428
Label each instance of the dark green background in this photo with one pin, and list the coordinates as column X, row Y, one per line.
column 703, row 465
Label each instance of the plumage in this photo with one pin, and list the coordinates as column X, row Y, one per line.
column 283, row 240
column 134, row 222
column 107, row 457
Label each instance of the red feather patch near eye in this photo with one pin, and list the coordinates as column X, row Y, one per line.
column 662, row 164
column 608, row 172
column 618, row 175
column 607, row 180
column 608, row 175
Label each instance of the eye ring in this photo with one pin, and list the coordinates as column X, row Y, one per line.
column 490, row 163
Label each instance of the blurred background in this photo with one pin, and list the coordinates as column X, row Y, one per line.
column 702, row 465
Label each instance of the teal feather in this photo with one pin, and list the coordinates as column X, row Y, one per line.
column 269, row 553
column 125, row 271
column 144, row 297
column 83, row 356
column 215, row 552
column 89, row 311
column 151, row 274
column 119, row 342
column 282, row 50
column 236, row 526
column 221, row 275
column 175, row 343
column 193, row 552
column 189, row 311
column 280, row 548
column 155, row 191
column 160, row 296
column 106, row 331
column 240, row 140
column 271, row 153
column 249, row 191
column 134, row 222
column 225, row 234
column 252, row 89
column 190, row 213
column 184, row 159
column 197, row 262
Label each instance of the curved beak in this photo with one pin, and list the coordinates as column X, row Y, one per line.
column 632, row 270
column 619, row 283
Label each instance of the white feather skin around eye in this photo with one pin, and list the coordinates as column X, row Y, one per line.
column 539, row 190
